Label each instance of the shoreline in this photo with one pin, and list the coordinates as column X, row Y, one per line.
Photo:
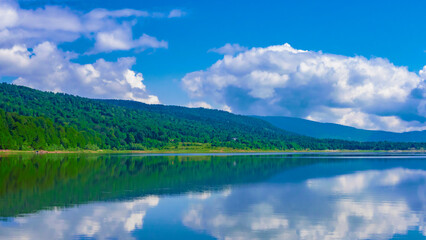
column 194, row 151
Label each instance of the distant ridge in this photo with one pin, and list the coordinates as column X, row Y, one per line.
column 336, row 131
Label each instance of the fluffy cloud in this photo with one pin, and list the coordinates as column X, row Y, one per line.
column 229, row 49
column 280, row 80
column 48, row 68
column 110, row 29
column 29, row 52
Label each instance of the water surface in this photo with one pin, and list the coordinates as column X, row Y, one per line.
column 259, row 196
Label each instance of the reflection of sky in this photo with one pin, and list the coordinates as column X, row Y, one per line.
column 361, row 205
column 370, row 204
column 97, row 220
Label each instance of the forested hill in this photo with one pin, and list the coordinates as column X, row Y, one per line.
column 32, row 119
column 336, row 131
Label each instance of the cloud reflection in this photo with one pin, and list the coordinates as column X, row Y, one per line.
column 362, row 205
column 373, row 204
column 98, row 220
column 357, row 182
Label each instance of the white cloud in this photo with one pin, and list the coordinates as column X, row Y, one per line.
column 226, row 108
column 110, row 29
column 50, row 18
column 8, row 16
column 229, row 49
column 48, row 68
column 422, row 73
column 356, row 118
column 34, row 26
column 29, row 52
column 199, row 105
column 202, row 104
column 103, row 13
column 146, row 41
column 280, row 80
column 176, row 13
column 122, row 39
column 119, row 39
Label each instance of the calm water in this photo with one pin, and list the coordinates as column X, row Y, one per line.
column 318, row 196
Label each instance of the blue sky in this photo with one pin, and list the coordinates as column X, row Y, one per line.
column 389, row 30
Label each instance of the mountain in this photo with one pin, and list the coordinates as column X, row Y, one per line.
column 336, row 131
column 32, row 119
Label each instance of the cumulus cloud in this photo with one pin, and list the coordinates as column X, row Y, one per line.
column 29, row 52
column 229, row 49
column 111, row 30
column 45, row 67
column 280, row 80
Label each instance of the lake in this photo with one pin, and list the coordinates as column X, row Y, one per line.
column 239, row 196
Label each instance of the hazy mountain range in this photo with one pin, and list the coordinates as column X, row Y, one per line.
column 336, row 131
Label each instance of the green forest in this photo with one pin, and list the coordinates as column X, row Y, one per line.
column 36, row 120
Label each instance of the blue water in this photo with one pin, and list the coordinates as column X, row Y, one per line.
column 261, row 196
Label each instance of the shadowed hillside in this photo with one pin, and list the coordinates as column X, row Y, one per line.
column 336, row 131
